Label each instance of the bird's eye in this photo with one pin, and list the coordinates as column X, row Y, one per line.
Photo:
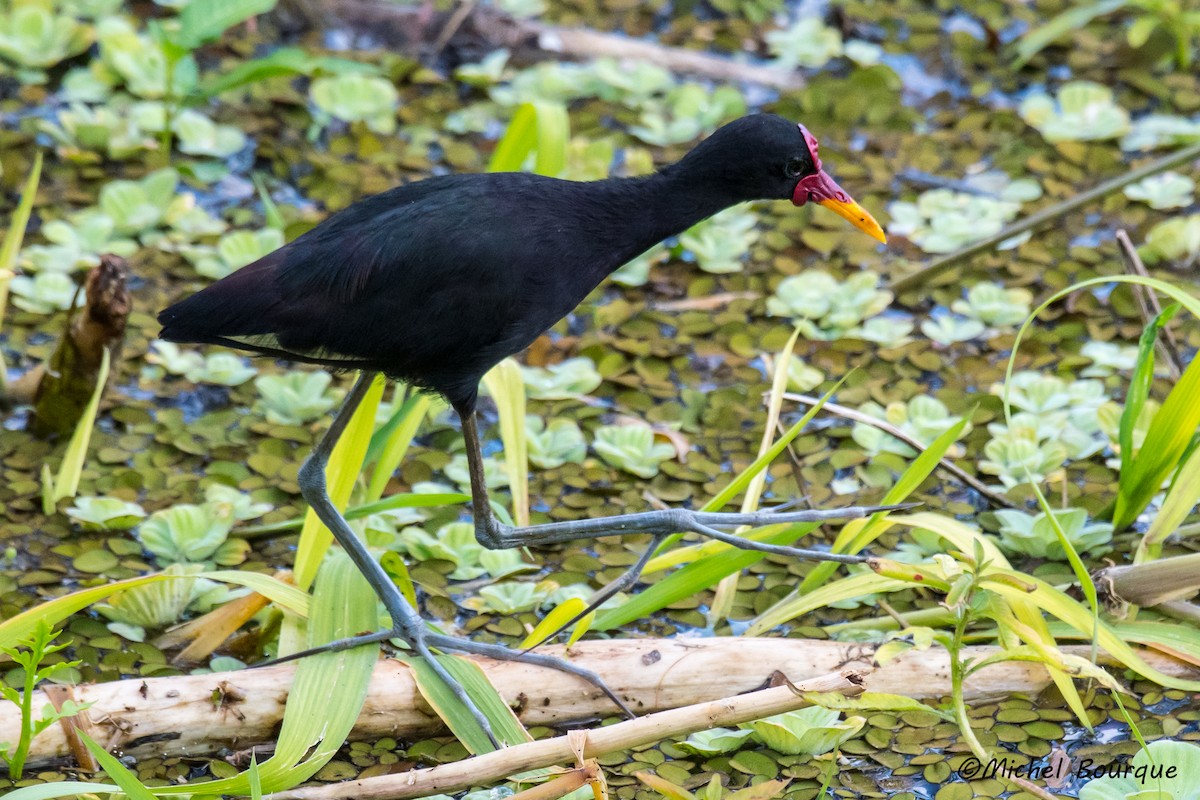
column 795, row 168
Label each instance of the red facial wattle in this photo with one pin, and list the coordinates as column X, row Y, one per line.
column 822, row 189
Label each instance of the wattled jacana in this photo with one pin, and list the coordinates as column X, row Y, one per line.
column 435, row 282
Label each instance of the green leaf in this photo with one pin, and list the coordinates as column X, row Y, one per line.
column 507, row 388
column 1073, row 19
column 15, row 235
column 202, row 21
column 1181, row 499
column 129, row 783
column 544, row 126
column 66, row 484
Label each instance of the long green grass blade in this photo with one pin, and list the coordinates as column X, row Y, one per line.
column 834, row 592
column 507, row 388
column 1072, row 19
column 394, row 439
column 204, row 20
column 15, row 234
column 461, row 722
column 66, row 483
column 1181, row 499
column 129, row 783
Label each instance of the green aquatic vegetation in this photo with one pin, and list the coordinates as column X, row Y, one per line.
column 1176, row 19
column 807, row 42
column 631, row 448
column 943, row 220
column 632, row 84
column 222, row 369
column 354, row 97
column 865, row 54
column 294, row 398
column 1175, row 240
column 721, row 242
column 105, row 513
column 76, row 243
column 1162, row 191
column 554, row 444
column 34, row 37
column 686, row 112
column 197, row 135
column 1041, row 395
column 715, row 741
column 888, row 331
column 456, row 543
column 510, row 597
column 826, row 308
column 192, row 534
column 234, row 502
column 807, row 731
column 1108, row 358
column 174, row 359
column 101, row 129
column 637, row 271
column 495, row 472
column 1018, row 456
column 1034, row 535
column 803, row 377
column 29, row 653
column 522, row 9
column 755, row 11
column 1155, row 131
column 141, row 205
column 949, row 329
column 43, row 293
column 488, row 71
column 549, row 81
column 140, row 62
column 994, row 305
column 566, row 379
column 923, row 417
column 1082, row 111
column 154, row 605
column 1162, row 770
column 233, row 251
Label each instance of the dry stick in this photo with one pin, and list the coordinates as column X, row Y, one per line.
column 499, row 764
column 1047, row 215
column 1148, row 303
column 1153, row 582
column 886, row 427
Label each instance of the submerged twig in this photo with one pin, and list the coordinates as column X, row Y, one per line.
column 1043, row 217
column 1148, row 304
column 887, row 427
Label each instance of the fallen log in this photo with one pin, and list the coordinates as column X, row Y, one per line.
column 198, row 715
column 473, row 30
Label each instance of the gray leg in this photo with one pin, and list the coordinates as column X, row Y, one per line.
column 495, row 535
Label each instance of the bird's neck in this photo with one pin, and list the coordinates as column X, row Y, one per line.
column 655, row 207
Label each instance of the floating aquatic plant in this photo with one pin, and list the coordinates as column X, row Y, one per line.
column 354, row 97
column 721, row 242
column 1108, row 358
column 153, row 605
column 826, row 308
column 637, row 271
column 35, row 37
column 508, row 598
column 1034, row 535
column 44, row 292
column 554, row 444
column 495, row 474
column 995, row 305
column 1082, row 111
column 632, row 448
column 807, row 731
column 569, row 378
column 949, row 329
column 1018, row 456
column 1174, row 240
column 686, row 112
column 943, row 220
column 138, row 206
column 101, row 129
column 221, row 369
column 294, row 398
column 198, row 135
column 105, row 513
column 190, row 534
column 233, row 251
column 1161, row 130
column 456, row 543
column 923, row 417
column 802, row 377
column 1165, row 190
column 807, row 42
column 715, row 741
column 140, row 63
column 1163, row 770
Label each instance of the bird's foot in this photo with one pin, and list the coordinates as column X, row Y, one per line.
column 421, row 643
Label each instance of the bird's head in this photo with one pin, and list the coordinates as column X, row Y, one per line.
column 764, row 156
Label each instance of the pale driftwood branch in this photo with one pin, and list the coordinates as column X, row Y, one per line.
column 475, row 27
column 199, row 715
column 497, row 765
column 1153, row 582
column 943, row 463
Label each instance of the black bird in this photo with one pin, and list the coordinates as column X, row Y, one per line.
column 435, row 282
